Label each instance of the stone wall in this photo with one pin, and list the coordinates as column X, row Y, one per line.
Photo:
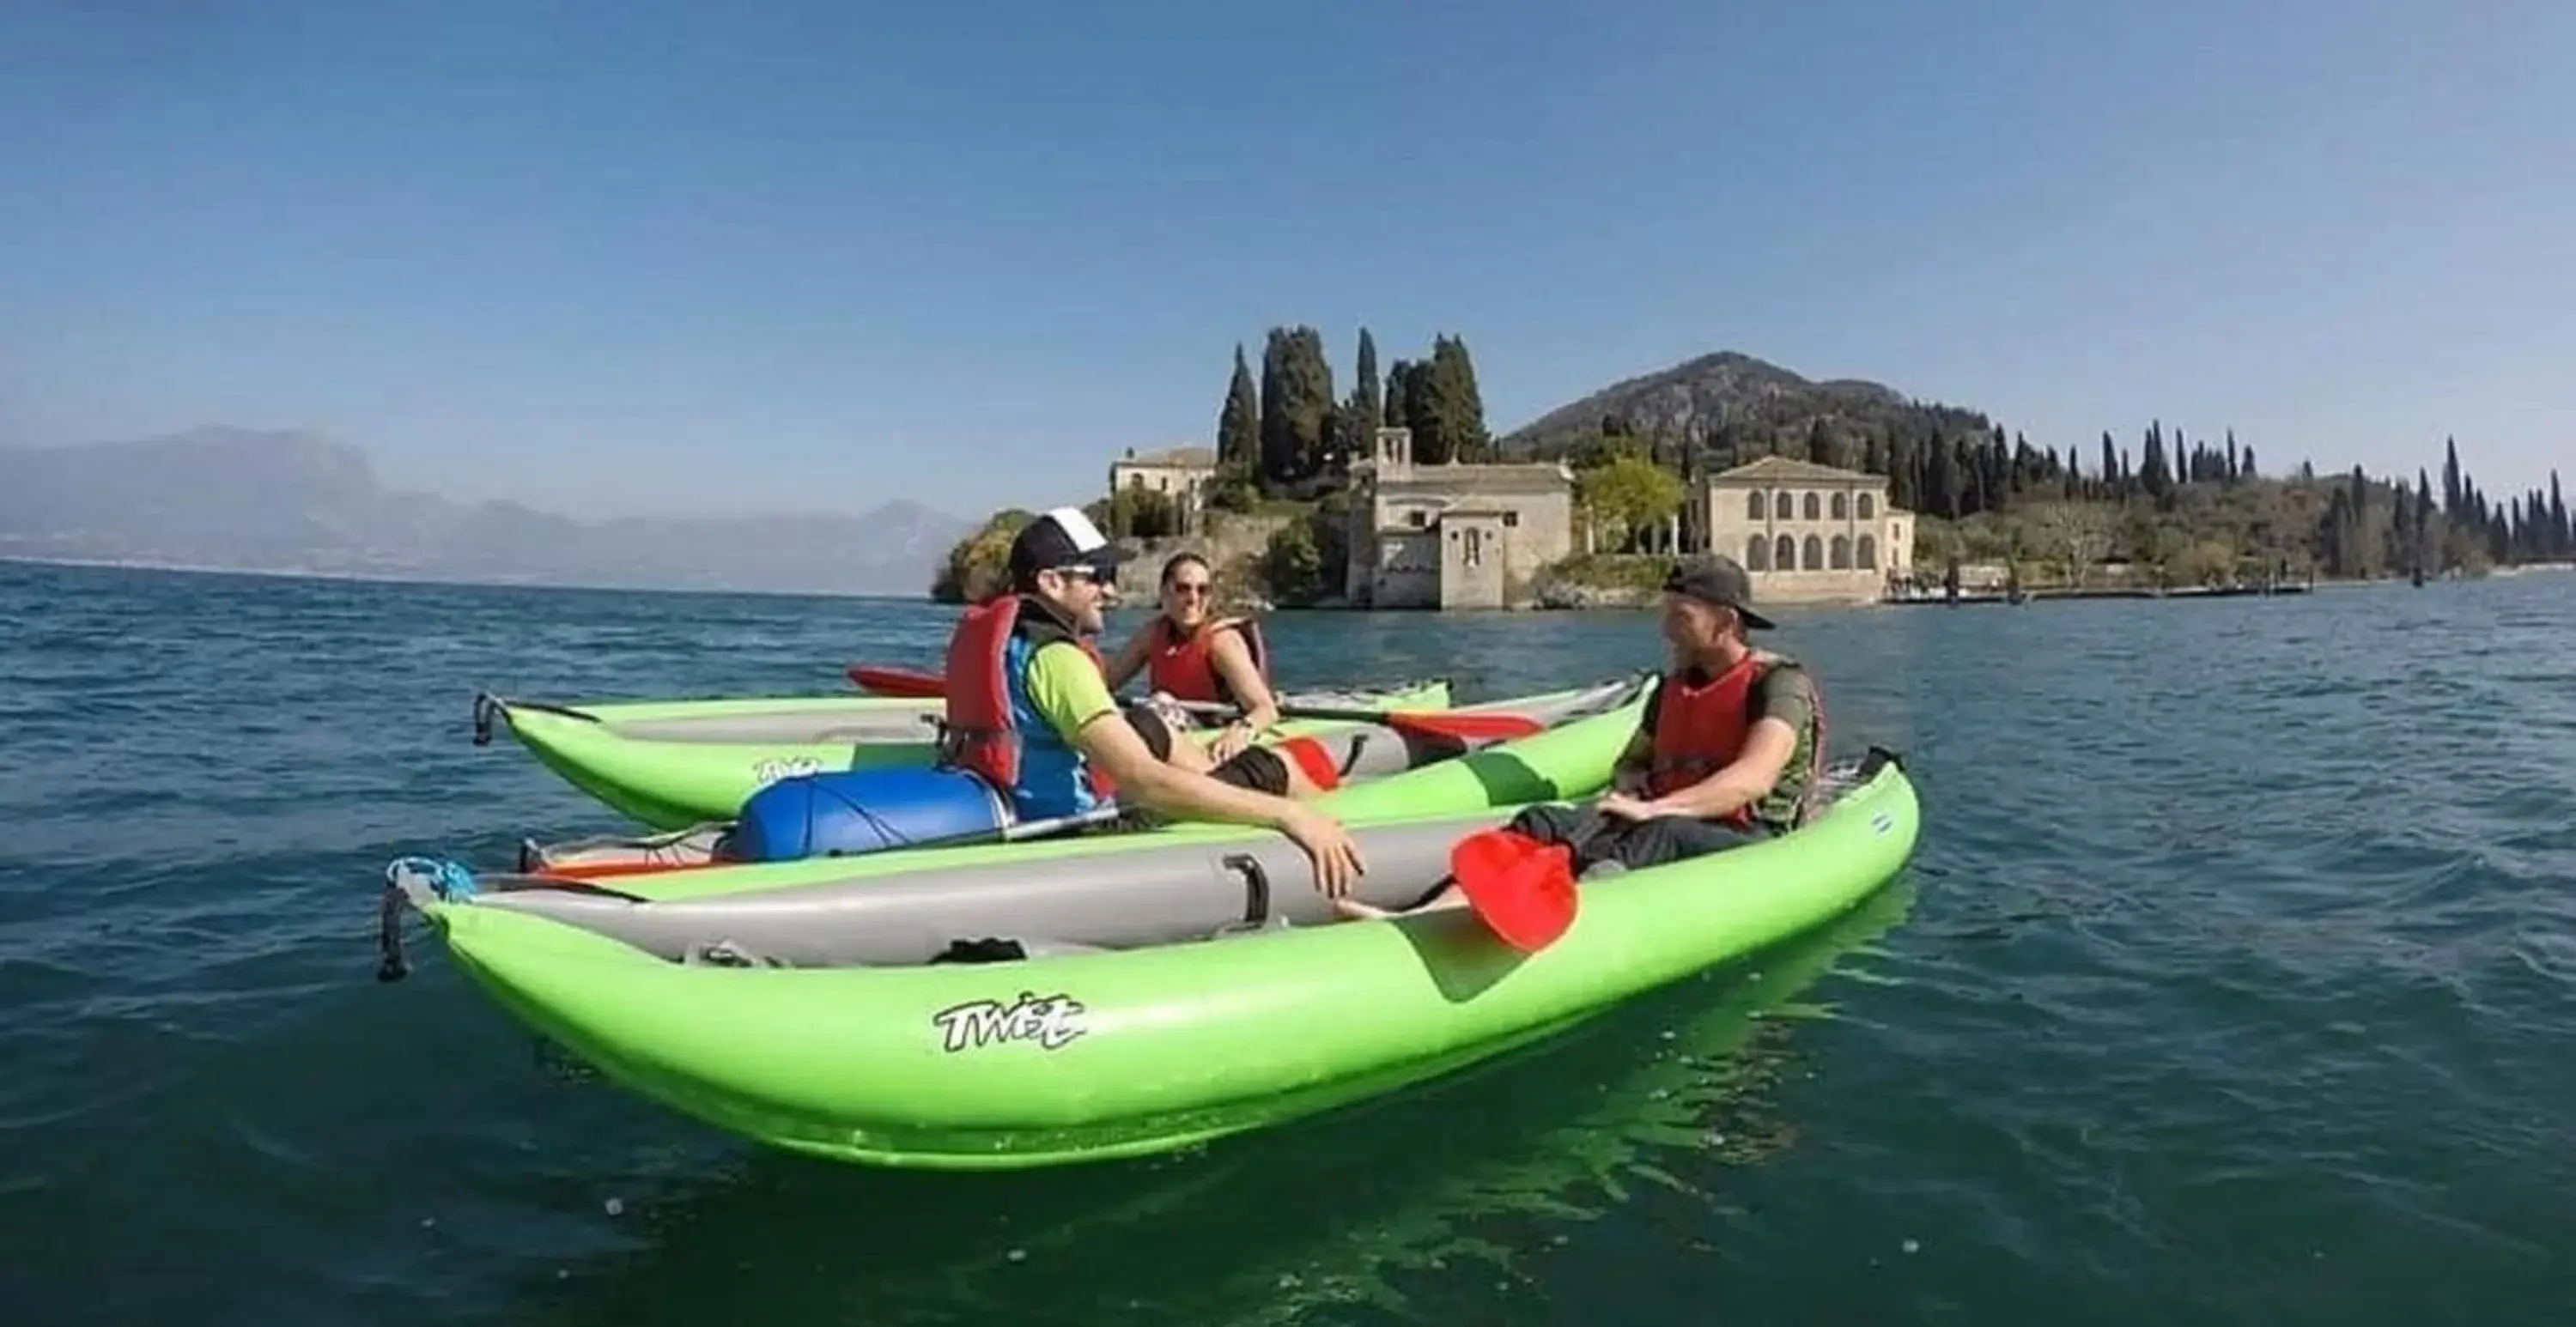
column 1232, row 543
column 1405, row 572
column 1812, row 587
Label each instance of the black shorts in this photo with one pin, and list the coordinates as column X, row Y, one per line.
column 1257, row 768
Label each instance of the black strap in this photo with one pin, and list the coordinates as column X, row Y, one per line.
column 1256, row 887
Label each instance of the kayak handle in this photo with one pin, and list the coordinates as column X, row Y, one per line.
column 1256, row 887
column 487, row 705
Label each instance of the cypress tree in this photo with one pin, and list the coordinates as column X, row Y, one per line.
column 1422, row 415
column 1967, row 461
column 1238, row 424
column 2428, row 554
column 1349, row 423
column 2153, row 477
column 1315, row 383
column 1367, row 399
column 1278, row 438
column 2454, row 485
column 1994, row 465
column 1473, row 399
column 2336, row 534
column 1456, row 407
column 1942, row 483
column 2403, row 538
column 1296, row 394
column 2563, row 539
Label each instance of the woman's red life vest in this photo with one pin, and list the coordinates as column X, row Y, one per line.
column 1185, row 666
column 1700, row 729
column 979, row 734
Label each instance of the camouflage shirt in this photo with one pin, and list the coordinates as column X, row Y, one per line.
column 1785, row 693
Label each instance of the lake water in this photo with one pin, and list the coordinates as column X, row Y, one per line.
column 2234, row 981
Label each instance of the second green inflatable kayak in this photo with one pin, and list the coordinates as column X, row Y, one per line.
column 675, row 764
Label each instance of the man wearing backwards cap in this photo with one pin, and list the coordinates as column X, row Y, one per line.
column 1727, row 752
column 1063, row 570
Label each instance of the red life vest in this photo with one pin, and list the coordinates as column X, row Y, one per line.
column 1185, row 668
column 1700, row 729
column 979, row 734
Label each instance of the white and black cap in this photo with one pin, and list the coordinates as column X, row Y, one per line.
column 1062, row 540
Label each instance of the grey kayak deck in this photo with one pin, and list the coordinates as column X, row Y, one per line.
column 1158, row 893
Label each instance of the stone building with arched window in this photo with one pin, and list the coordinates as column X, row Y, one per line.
column 1453, row 535
column 1808, row 532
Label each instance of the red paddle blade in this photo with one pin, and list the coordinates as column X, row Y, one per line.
column 1465, row 727
column 906, row 682
column 1523, row 889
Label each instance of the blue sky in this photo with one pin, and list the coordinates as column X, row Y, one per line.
column 650, row 257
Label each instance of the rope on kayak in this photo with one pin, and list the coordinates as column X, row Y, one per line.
column 487, row 706
column 412, row 882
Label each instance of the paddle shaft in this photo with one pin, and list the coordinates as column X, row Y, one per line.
column 1465, row 726
column 1445, row 723
column 1219, row 709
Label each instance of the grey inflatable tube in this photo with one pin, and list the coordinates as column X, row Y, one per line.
column 1150, row 896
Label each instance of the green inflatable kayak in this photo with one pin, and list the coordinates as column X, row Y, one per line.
column 678, row 763
column 857, row 812
column 1036, row 1004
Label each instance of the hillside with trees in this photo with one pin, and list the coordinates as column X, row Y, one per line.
column 2173, row 510
column 1732, row 408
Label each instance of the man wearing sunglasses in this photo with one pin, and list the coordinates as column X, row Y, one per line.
column 1043, row 679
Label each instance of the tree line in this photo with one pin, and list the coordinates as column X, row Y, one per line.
column 2207, row 496
column 2372, row 528
column 1291, row 430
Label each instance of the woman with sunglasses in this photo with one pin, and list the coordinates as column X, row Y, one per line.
column 1188, row 653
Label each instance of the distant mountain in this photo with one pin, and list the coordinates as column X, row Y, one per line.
column 1741, row 407
column 283, row 501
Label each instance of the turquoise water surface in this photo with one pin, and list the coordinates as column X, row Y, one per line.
column 2234, row 981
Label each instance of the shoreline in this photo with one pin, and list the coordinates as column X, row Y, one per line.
column 1560, row 598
